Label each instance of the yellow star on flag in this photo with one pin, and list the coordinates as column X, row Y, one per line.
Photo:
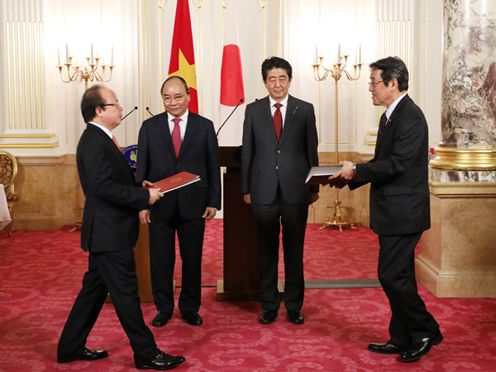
column 186, row 71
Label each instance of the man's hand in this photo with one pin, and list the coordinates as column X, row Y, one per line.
column 209, row 213
column 247, row 198
column 144, row 217
column 314, row 196
column 337, row 183
column 346, row 173
column 155, row 195
column 146, row 183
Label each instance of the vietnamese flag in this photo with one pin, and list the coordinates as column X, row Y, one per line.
column 182, row 60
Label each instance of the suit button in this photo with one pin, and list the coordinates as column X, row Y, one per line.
column 278, row 151
column 277, row 167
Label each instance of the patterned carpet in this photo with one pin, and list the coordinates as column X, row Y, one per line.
column 329, row 254
column 40, row 273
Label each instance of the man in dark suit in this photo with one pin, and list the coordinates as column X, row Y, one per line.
column 279, row 148
column 399, row 207
column 109, row 232
column 174, row 141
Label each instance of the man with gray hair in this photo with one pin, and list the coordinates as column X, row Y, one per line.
column 399, row 207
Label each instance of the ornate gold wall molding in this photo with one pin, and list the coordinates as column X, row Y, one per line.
column 464, row 159
column 463, row 189
column 31, row 145
column 27, row 135
column 28, row 140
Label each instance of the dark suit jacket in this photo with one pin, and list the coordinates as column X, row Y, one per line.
column 199, row 155
column 110, row 217
column 267, row 164
column 398, row 173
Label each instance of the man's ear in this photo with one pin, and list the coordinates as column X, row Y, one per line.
column 98, row 110
column 393, row 83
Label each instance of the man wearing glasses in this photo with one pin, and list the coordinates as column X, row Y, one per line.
column 174, row 141
column 109, row 232
column 399, row 207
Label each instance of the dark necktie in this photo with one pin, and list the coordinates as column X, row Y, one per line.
column 278, row 120
column 382, row 123
column 176, row 136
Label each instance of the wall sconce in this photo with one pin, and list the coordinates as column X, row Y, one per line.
column 92, row 71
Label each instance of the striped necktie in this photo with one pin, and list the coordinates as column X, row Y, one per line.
column 176, row 136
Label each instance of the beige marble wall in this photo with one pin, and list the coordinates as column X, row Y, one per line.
column 49, row 193
column 458, row 252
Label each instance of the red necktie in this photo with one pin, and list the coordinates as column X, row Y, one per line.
column 176, row 136
column 278, row 120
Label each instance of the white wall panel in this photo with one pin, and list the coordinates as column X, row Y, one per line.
column 35, row 101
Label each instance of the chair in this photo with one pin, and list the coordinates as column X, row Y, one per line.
column 8, row 172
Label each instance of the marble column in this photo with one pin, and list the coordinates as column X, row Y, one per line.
column 458, row 254
column 469, row 93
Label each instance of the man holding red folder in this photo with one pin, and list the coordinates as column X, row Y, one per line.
column 174, row 141
column 109, row 233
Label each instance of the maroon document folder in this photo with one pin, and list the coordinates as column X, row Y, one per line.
column 176, row 181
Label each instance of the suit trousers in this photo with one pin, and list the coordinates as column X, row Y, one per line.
column 163, row 257
column 114, row 273
column 293, row 219
column 410, row 319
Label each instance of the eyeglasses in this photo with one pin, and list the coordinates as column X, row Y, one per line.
column 374, row 83
column 111, row 104
column 169, row 99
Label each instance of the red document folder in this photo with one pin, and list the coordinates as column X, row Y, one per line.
column 176, row 181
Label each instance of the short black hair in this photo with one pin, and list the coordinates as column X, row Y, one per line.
column 276, row 62
column 392, row 68
column 90, row 101
column 175, row 77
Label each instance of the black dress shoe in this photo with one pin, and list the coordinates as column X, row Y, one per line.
column 296, row 317
column 161, row 319
column 193, row 319
column 387, row 348
column 85, row 354
column 160, row 362
column 267, row 317
column 420, row 348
